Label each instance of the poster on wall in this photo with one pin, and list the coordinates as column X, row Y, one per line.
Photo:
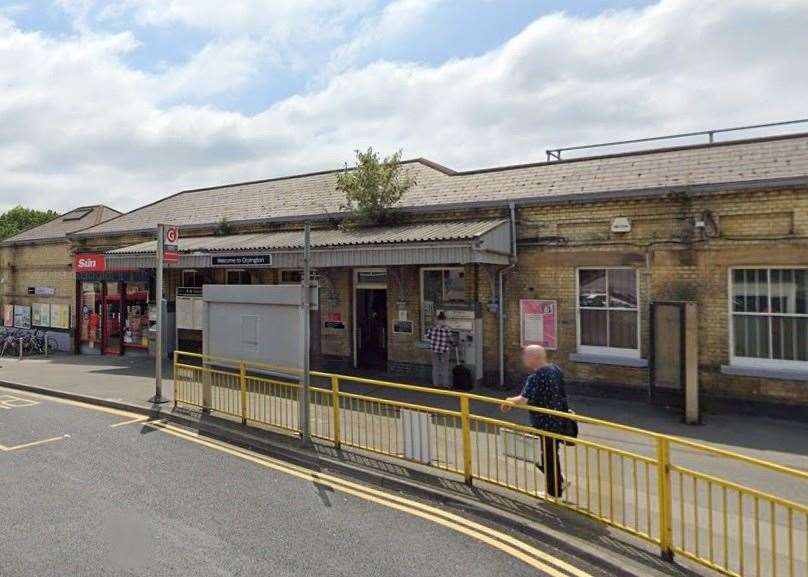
column 539, row 323
column 22, row 317
column 60, row 316
column 40, row 315
column 8, row 315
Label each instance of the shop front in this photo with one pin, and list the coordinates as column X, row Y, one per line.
column 115, row 308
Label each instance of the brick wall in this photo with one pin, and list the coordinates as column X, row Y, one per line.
column 675, row 260
column 38, row 265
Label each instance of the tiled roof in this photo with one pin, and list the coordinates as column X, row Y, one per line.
column 747, row 161
column 69, row 222
column 438, row 231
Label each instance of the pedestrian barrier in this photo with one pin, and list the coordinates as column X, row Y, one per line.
column 670, row 491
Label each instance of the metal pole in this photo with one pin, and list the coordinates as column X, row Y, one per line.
column 305, row 432
column 158, row 339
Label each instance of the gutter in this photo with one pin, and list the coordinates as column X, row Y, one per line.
column 501, row 294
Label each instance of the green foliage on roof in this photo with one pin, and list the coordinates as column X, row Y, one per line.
column 372, row 188
column 18, row 219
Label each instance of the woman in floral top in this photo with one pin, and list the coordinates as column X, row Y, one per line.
column 544, row 388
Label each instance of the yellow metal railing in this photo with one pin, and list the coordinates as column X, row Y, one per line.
column 667, row 490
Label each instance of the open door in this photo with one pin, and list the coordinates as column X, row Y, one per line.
column 113, row 319
column 371, row 327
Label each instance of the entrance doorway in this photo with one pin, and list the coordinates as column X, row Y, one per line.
column 112, row 319
column 371, row 326
column 370, row 319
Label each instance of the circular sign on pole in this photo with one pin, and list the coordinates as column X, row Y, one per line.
column 172, row 235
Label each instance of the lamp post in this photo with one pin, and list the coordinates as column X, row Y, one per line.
column 305, row 425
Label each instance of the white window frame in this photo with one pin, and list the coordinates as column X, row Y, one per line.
column 757, row 362
column 610, row 351
column 421, row 290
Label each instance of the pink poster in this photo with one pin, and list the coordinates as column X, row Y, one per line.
column 538, row 318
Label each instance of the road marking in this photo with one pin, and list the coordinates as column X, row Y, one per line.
column 41, row 397
column 537, row 559
column 9, row 402
column 131, row 422
column 34, row 444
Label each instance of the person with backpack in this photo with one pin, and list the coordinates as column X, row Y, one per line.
column 544, row 388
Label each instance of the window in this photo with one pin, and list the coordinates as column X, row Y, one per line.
column 237, row 276
column 192, row 279
column 769, row 308
column 608, row 311
column 440, row 287
column 291, row 276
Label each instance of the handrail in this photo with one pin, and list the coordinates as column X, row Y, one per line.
column 611, row 485
column 493, row 401
column 554, row 154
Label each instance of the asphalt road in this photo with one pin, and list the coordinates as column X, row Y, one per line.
column 88, row 492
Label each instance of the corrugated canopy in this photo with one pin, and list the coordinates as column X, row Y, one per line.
column 438, row 242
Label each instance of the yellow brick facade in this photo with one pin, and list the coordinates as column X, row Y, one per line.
column 675, row 260
column 37, row 265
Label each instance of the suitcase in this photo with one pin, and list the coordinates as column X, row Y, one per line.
column 461, row 375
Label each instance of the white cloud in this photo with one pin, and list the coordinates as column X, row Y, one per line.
column 398, row 19
column 81, row 126
column 282, row 20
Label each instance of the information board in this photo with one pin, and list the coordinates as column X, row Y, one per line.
column 60, row 316
column 539, row 323
column 40, row 314
column 22, row 316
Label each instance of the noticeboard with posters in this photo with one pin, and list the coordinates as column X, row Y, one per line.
column 40, row 314
column 60, row 316
column 8, row 315
column 22, row 317
column 539, row 323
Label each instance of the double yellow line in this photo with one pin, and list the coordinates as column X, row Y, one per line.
column 539, row 560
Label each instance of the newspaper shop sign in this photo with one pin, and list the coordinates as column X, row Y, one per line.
column 85, row 262
column 539, row 323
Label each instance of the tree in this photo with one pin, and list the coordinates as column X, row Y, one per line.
column 372, row 188
column 19, row 219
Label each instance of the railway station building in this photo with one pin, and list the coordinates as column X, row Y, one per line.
column 591, row 257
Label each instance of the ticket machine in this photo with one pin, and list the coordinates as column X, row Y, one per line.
column 467, row 331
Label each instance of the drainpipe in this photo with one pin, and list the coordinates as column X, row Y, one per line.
column 501, row 294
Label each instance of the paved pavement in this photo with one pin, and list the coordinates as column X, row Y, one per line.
column 88, row 491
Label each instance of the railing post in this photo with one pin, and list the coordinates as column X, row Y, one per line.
column 335, row 408
column 242, row 377
column 465, row 420
column 664, row 495
column 174, row 375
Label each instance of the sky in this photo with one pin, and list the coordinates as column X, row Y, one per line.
column 124, row 102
